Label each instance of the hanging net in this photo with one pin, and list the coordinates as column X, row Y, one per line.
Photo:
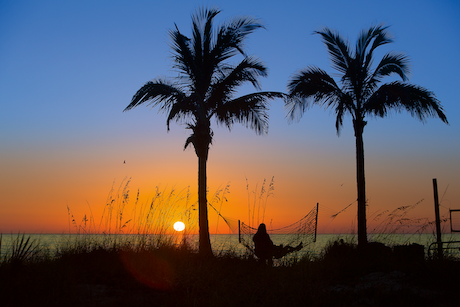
column 296, row 236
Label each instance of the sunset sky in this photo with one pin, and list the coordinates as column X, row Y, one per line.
column 69, row 68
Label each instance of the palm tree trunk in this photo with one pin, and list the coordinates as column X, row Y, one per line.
column 358, row 126
column 204, row 241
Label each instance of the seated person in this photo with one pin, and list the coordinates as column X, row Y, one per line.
column 265, row 250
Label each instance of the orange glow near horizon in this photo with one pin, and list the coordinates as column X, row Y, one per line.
column 235, row 202
column 62, row 193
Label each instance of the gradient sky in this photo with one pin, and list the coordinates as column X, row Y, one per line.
column 69, row 68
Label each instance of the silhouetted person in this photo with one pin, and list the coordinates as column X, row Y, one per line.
column 264, row 247
column 265, row 250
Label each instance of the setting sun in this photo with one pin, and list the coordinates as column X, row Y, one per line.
column 179, row 226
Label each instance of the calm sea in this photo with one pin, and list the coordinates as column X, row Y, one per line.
column 222, row 243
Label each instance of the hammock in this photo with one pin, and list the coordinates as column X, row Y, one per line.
column 289, row 238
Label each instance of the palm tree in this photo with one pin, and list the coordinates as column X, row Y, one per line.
column 360, row 94
column 205, row 89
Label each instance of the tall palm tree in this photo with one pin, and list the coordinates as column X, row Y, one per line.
column 205, row 89
column 360, row 94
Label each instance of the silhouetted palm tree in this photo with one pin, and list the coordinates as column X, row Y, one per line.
column 360, row 93
column 205, row 89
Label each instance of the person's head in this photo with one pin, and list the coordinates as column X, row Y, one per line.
column 262, row 228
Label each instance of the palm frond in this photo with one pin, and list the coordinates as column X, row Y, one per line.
column 211, row 49
column 155, row 92
column 181, row 110
column 359, row 69
column 315, row 86
column 201, row 134
column 295, row 107
column 338, row 49
column 202, row 24
column 192, row 137
column 183, row 57
column 196, row 42
column 418, row 101
column 313, row 82
column 208, row 40
column 189, row 141
column 230, row 38
column 208, row 31
column 229, row 78
column 249, row 110
column 378, row 36
column 340, row 112
column 392, row 63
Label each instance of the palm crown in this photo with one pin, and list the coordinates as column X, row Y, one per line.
column 360, row 94
column 207, row 83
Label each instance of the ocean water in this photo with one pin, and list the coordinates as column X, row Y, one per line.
column 224, row 243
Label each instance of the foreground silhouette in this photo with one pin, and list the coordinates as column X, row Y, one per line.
column 205, row 88
column 265, row 250
column 360, row 94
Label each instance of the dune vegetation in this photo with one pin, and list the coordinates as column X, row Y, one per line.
column 116, row 272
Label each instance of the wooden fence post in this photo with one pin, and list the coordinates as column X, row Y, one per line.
column 316, row 221
column 438, row 220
